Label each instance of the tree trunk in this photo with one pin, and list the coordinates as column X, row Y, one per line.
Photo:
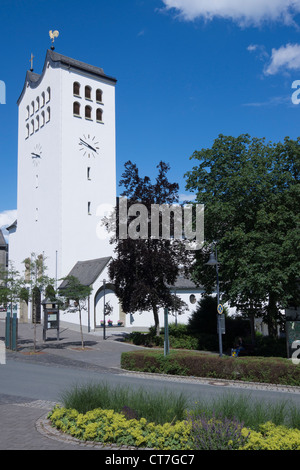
column 272, row 314
column 156, row 319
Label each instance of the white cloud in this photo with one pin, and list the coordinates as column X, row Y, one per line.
column 284, row 59
column 243, row 12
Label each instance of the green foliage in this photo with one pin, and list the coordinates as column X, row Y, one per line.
column 144, row 268
column 159, row 408
column 251, row 369
column 251, row 194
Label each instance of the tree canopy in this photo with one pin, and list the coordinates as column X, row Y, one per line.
column 144, row 268
column 251, row 192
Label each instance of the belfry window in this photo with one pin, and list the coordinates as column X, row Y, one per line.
column 76, row 89
column 99, row 96
column 43, row 118
column 88, row 92
column 48, row 114
column 88, row 112
column 99, row 115
column 76, row 108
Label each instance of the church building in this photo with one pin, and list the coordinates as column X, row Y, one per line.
column 67, row 181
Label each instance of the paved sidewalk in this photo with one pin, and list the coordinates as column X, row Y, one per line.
column 22, row 420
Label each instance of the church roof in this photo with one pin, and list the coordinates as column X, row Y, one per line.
column 56, row 57
column 34, row 79
column 2, row 240
column 13, row 225
column 87, row 271
column 184, row 283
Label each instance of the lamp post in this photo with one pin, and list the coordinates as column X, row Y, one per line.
column 104, row 308
column 213, row 261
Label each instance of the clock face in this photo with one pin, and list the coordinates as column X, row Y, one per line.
column 36, row 154
column 88, row 145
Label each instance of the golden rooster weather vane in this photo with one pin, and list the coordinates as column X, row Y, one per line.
column 53, row 35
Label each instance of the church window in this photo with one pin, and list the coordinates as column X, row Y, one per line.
column 43, row 99
column 37, row 103
column 27, row 131
column 99, row 115
column 32, row 127
column 48, row 94
column 76, row 108
column 88, row 112
column 27, row 112
column 193, row 299
column 43, row 118
column 76, row 89
column 48, row 114
column 88, row 93
column 37, row 123
column 32, row 108
column 99, row 96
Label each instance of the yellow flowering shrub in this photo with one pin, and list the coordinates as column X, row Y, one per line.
column 271, row 437
column 108, row 426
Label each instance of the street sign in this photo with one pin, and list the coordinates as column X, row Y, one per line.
column 220, row 309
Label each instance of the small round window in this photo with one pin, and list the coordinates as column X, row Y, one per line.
column 192, row 299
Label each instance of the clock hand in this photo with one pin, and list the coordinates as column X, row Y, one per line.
column 82, row 142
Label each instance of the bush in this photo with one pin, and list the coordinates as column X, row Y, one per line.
column 252, row 369
column 200, row 433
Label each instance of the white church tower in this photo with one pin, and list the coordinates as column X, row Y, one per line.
column 66, row 164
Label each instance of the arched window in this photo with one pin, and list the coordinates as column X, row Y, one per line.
column 27, row 131
column 32, row 108
column 43, row 118
column 37, row 103
column 76, row 89
column 99, row 115
column 88, row 92
column 76, row 108
column 32, row 127
column 48, row 94
column 99, row 96
column 37, row 123
column 43, row 99
column 88, row 112
column 27, row 112
column 48, row 114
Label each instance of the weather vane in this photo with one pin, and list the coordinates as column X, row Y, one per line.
column 31, row 62
column 53, row 35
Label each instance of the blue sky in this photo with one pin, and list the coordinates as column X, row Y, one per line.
column 187, row 71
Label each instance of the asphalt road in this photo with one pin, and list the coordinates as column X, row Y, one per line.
column 30, row 384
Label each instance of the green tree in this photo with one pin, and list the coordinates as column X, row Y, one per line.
column 144, row 268
column 35, row 281
column 74, row 297
column 11, row 286
column 251, row 194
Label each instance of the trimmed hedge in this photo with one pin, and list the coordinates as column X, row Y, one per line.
column 251, row 369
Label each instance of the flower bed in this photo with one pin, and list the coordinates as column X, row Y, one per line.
column 194, row 433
